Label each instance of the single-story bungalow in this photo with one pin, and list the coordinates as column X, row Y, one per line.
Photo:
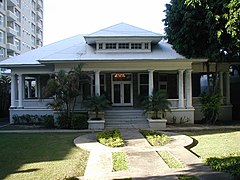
column 125, row 63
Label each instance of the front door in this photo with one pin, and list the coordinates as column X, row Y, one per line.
column 122, row 91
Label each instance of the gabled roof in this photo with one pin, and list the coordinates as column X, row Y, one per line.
column 122, row 31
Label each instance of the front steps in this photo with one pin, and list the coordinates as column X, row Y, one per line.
column 125, row 118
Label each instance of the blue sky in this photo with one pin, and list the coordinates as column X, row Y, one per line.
column 63, row 20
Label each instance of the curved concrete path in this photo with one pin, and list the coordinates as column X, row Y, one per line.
column 143, row 160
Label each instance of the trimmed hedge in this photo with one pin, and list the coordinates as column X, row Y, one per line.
column 155, row 138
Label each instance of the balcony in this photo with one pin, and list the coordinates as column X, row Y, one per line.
column 11, row 16
column 39, row 36
column 12, row 3
column 11, row 32
column 39, row 4
column 39, row 25
column 39, row 14
column 11, row 47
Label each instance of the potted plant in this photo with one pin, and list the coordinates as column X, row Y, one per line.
column 155, row 106
column 96, row 105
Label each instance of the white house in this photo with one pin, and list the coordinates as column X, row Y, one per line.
column 126, row 63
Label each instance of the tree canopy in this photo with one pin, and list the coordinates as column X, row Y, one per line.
column 204, row 28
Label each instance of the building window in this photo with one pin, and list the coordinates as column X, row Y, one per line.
column 143, row 84
column 17, row 44
column 111, row 45
column 33, row 4
column 2, row 52
column 102, row 84
column 136, row 45
column 162, row 82
column 33, row 27
column 100, row 46
column 146, row 46
column 33, row 17
column 1, row 20
column 2, row 37
column 18, row 29
column 123, row 45
column 17, row 13
column 1, row 4
column 33, row 40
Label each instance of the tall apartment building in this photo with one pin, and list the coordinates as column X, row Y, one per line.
column 21, row 26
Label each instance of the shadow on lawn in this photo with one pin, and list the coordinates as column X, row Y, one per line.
column 20, row 149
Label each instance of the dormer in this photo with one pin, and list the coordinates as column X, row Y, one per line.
column 123, row 38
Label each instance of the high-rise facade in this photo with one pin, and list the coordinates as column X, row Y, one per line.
column 21, row 26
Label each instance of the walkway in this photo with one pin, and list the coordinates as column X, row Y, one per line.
column 144, row 162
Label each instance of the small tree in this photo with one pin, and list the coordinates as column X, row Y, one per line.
column 4, row 95
column 97, row 104
column 65, row 86
column 157, row 103
column 210, row 107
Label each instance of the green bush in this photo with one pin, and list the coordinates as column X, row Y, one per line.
column 26, row 119
column 79, row 121
column 111, row 138
column 119, row 161
column 229, row 163
column 155, row 138
column 63, row 121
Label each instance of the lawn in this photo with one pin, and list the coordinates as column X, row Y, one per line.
column 220, row 149
column 41, row 156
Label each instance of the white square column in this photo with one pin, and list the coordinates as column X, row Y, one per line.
column 97, row 83
column 221, row 85
column 180, row 89
column 188, row 88
column 13, row 90
column 20, row 91
column 150, row 81
column 227, row 84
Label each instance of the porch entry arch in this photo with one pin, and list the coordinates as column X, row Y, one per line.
column 122, row 89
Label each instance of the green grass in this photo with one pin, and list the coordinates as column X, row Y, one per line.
column 220, row 149
column 170, row 160
column 155, row 138
column 119, row 161
column 40, row 156
column 111, row 138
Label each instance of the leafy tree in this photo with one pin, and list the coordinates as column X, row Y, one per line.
column 204, row 29
column 65, row 86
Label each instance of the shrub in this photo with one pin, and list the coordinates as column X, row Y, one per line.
column 229, row 163
column 119, row 161
column 111, row 138
column 63, row 121
column 26, row 119
column 155, row 138
column 79, row 121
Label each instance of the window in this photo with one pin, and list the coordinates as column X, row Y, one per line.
column 33, row 4
column 1, row 20
column 100, row 46
column 18, row 29
column 33, row 40
column 162, row 82
column 102, row 84
column 111, row 45
column 2, row 52
column 33, row 27
column 17, row 44
column 143, row 84
column 146, row 46
column 1, row 4
column 136, row 45
column 2, row 37
column 17, row 13
column 33, row 17
column 123, row 46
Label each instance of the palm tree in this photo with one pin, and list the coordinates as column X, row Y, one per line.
column 96, row 104
column 157, row 103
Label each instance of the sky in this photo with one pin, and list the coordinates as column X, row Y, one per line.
column 87, row 16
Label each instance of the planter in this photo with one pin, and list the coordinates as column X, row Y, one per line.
column 157, row 124
column 96, row 124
